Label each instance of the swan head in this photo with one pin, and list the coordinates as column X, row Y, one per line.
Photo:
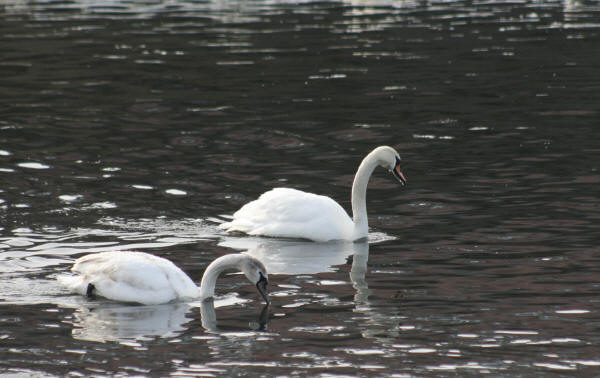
column 388, row 158
column 255, row 272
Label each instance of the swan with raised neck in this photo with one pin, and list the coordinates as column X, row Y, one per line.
column 383, row 156
column 291, row 213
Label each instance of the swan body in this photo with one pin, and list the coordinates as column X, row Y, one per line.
column 291, row 213
column 139, row 277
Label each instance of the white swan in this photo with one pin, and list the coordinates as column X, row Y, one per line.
column 139, row 277
column 291, row 213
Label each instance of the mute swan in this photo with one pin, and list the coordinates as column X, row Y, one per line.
column 147, row 279
column 291, row 213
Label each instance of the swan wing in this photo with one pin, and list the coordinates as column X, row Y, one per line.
column 131, row 277
column 285, row 212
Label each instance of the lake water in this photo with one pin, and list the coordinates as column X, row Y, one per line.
column 141, row 124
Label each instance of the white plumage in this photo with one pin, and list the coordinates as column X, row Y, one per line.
column 139, row 277
column 291, row 213
column 130, row 277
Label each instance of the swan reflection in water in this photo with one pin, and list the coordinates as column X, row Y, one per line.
column 209, row 317
column 293, row 257
column 128, row 324
column 108, row 321
column 296, row 257
column 358, row 272
column 378, row 322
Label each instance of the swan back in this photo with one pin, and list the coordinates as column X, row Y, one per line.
column 131, row 277
column 291, row 213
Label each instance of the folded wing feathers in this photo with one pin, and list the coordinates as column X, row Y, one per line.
column 132, row 277
column 289, row 212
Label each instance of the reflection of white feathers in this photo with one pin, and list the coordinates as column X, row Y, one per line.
column 358, row 272
column 123, row 323
column 109, row 321
column 294, row 256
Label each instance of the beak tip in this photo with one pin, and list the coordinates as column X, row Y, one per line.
column 399, row 175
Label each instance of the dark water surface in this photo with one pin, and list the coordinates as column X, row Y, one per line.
column 137, row 125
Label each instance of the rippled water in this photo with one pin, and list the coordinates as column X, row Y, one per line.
column 139, row 125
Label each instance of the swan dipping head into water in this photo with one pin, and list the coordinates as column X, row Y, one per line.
column 291, row 213
column 143, row 278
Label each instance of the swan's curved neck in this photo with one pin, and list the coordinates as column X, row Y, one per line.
column 359, row 195
column 212, row 272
